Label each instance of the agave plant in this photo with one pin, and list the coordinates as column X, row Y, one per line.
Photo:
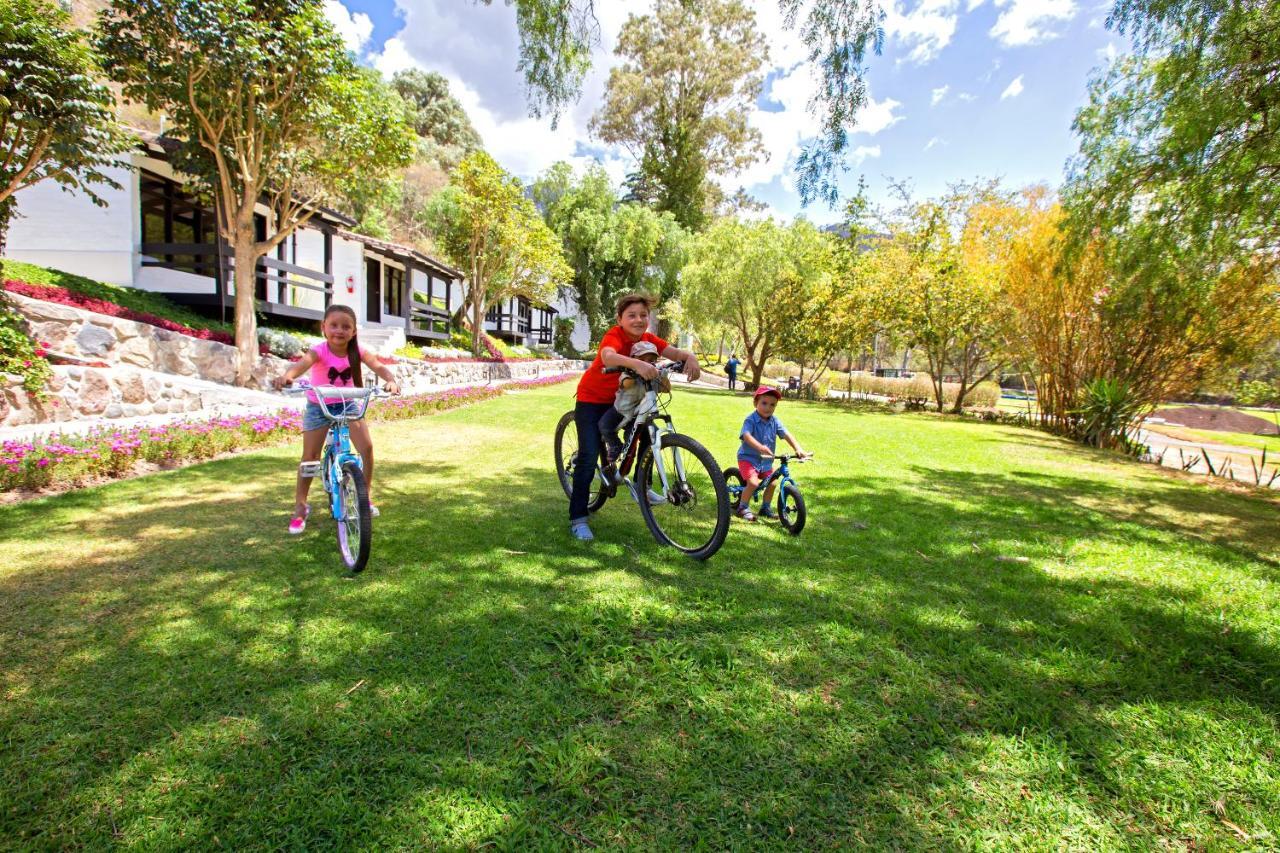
column 1108, row 413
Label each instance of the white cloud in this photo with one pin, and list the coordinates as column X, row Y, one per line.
column 1027, row 21
column 1014, row 89
column 354, row 29
column 1108, row 54
column 938, row 95
column 966, row 97
column 925, row 29
column 934, row 142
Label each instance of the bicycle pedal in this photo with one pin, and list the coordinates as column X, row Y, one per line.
column 310, row 469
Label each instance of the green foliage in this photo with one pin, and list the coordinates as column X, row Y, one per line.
column 56, row 122
column 1109, row 413
column 613, row 247
column 759, row 279
column 937, row 273
column 1174, row 189
column 491, row 230
column 437, row 116
column 1180, row 144
column 681, row 99
column 556, row 37
column 21, row 356
column 838, row 35
column 280, row 343
column 267, row 105
column 563, row 338
column 1257, row 393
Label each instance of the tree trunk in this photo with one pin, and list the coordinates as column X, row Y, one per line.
column 477, row 323
column 246, row 263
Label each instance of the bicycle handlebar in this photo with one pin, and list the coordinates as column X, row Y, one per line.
column 334, row 392
column 669, row 367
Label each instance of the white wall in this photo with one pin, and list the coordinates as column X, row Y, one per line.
column 67, row 231
column 348, row 261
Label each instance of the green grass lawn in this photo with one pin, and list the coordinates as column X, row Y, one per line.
column 985, row 638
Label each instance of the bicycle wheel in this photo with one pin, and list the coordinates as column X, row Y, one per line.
column 567, row 459
column 693, row 515
column 791, row 511
column 355, row 528
column 733, row 480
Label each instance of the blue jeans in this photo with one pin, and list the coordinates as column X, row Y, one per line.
column 586, row 419
column 733, row 378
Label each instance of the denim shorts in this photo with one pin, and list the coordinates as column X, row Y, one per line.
column 314, row 418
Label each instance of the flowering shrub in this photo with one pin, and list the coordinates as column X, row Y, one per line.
column 19, row 355
column 62, row 296
column 70, row 461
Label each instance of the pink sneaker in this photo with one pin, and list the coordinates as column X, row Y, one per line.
column 299, row 522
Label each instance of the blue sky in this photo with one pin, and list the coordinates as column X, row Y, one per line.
column 964, row 89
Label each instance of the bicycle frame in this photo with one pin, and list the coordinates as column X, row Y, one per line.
column 351, row 405
column 779, row 476
column 648, row 414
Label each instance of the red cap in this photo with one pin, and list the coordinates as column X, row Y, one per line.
column 765, row 389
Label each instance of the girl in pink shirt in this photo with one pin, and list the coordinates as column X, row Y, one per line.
column 337, row 362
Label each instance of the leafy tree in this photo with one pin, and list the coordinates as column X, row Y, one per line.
column 1180, row 143
column 944, row 294
column 56, row 122
column 489, row 228
column 613, row 247
column 681, row 99
column 437, row 116
column 737, row 273
column 269, row 107
column 832, row 310
column 557, row 35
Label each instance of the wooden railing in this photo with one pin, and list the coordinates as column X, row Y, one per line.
column 203, row 259
column 427, row 321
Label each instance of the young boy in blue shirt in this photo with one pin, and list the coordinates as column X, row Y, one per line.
column 759, row 437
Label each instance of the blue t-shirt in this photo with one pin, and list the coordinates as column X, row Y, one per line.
column 731, row 366
column 764, row 431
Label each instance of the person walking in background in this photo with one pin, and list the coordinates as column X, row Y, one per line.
column 731, row 370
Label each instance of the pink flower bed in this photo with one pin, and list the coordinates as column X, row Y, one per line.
column 107, row 452
column 62, row 296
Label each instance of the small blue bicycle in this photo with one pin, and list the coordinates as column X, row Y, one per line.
column 791, row 511
column 341, row 469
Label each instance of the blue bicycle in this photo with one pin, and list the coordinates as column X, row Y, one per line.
column 341, row 469
column 791, row 511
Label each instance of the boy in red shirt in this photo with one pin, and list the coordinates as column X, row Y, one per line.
column 596, row 391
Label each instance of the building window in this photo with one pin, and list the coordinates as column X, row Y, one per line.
column 171, row 215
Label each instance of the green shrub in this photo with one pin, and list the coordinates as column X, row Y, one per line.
column 1257, row 393
column 984, row 395
column 280, row 343
column 21, row 356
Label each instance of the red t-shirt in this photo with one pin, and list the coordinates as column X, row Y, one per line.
column 598, row 387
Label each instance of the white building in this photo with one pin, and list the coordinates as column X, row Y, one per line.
column 153, row 234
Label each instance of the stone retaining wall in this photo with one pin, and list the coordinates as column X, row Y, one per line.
column 154, row 371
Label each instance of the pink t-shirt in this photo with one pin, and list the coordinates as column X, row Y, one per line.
column 329, row 369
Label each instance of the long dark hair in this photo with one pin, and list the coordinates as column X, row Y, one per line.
column 353, row 345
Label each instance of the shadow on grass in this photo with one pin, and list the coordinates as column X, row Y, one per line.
column 207, row 681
